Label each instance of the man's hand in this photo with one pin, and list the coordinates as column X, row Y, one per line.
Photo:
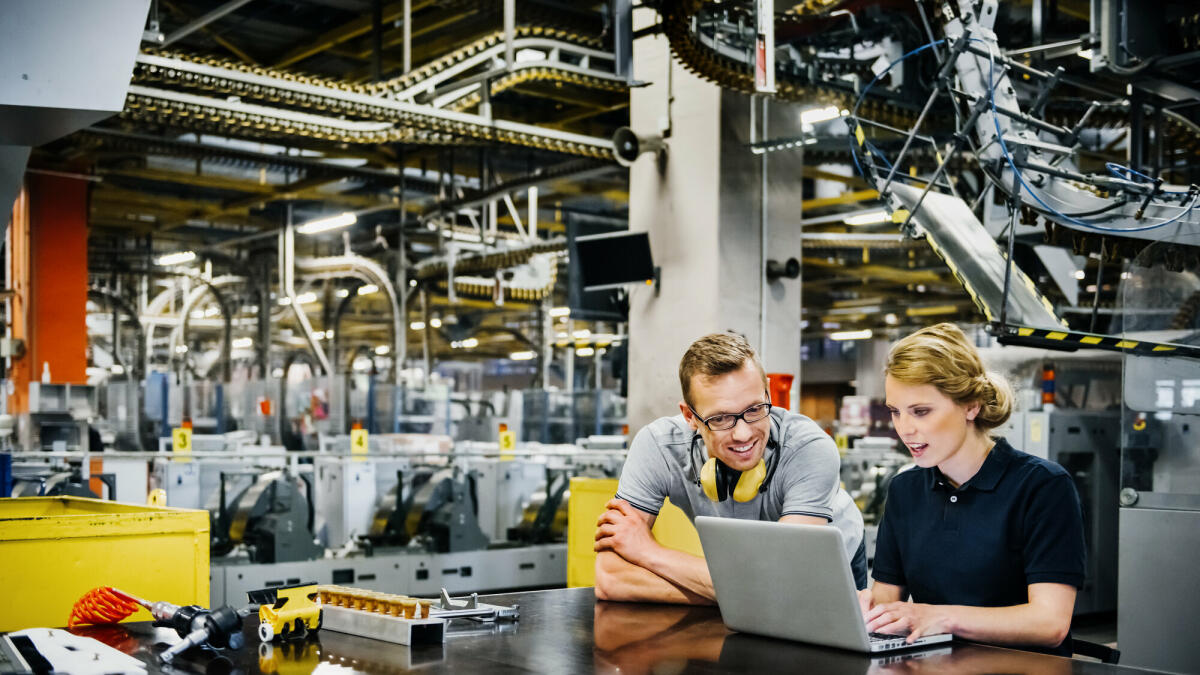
column 623, row 530
column 916, row 619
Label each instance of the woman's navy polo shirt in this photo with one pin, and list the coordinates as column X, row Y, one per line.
column 1016, row 522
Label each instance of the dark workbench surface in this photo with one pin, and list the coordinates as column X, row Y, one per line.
column 568, row 631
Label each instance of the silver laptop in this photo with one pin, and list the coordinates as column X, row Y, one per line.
column 790, row 581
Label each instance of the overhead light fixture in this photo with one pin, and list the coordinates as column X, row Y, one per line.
column 585, row 351
column 864, row 334
column 412, row 283
column 1126, row 275
column 326, row 224
column 891, row 319
column 526, row 55
column 242, row 343
column 522, row 356
column 181, row 349
column 470, row 343
column 367, row 289
column 1080, row 274
column 285, row 300
column 435, row 322
column 117, row 369
column 417, row 325
column 1084, row 54
column 342, row 292
column 868, row 218
column 306, row 298
column 817, row 115
column 175, row 258
column 382, row 350
column 582, row 334
column 560, row 311
column 931, row 310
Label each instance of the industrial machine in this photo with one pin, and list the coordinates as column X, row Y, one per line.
column 273, row 519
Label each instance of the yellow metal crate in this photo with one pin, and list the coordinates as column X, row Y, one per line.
column 588, row 497
column 55, row 549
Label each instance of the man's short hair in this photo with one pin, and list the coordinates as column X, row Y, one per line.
column 714, row 355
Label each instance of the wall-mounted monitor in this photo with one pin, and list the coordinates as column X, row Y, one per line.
column 613, row 259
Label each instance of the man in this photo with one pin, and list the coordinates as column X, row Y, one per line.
column 728, row 454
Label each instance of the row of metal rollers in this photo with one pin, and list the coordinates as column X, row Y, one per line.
column 374, row 601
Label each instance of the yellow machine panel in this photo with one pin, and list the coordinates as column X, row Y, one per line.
column 588, row 497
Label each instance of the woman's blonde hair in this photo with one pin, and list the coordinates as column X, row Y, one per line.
column 942, row 356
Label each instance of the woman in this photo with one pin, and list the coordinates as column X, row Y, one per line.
column 985, row 539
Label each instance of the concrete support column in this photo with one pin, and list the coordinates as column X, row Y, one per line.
column 701, row 207
column 47, row 270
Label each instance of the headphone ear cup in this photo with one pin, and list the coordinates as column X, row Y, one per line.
column 749, row 482
column 708, row 479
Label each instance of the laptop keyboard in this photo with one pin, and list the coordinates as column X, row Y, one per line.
column 884, row 636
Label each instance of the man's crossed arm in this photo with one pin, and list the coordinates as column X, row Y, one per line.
column 632, row 567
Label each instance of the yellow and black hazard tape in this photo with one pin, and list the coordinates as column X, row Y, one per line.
column 1068, row 340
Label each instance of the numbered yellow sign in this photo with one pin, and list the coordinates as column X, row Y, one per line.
column 181, row 443
column 358, row 442
column 508, row 443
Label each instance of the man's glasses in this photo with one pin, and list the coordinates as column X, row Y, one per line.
column 724, row 421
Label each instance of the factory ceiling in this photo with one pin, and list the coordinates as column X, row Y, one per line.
column 247, row 113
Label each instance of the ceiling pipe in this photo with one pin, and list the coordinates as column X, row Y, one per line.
column 372, row 272
column 287, row 284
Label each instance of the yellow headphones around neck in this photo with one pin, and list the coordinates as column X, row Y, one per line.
column 719, row 482
column 715, row 478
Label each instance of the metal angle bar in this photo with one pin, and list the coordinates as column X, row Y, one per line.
column 510, row 20
column 512, row 211
column 202, row 21
column 407, row 36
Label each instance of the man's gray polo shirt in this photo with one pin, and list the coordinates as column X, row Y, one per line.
column 662, row 463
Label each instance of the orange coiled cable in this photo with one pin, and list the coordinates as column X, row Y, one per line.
column 102, row 605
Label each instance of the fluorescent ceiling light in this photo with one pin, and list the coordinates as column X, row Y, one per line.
column 367, row 289
column 584, row 351
column 175, row 258
column 342, row 293
column 285, row 300
column 1080, row 274
column 327, row 224
column 868, row 218
column 181, row 349
column 1084, row 54
column 864, row 334
column 242, row 343
column 382, row 350
column 435, row 322
column 522, row 356
column 526, row 55
column 306, row 298
column 470, row 343
column 582, row 334
column 816, row 115
column 417, row 325
column 560, row 311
